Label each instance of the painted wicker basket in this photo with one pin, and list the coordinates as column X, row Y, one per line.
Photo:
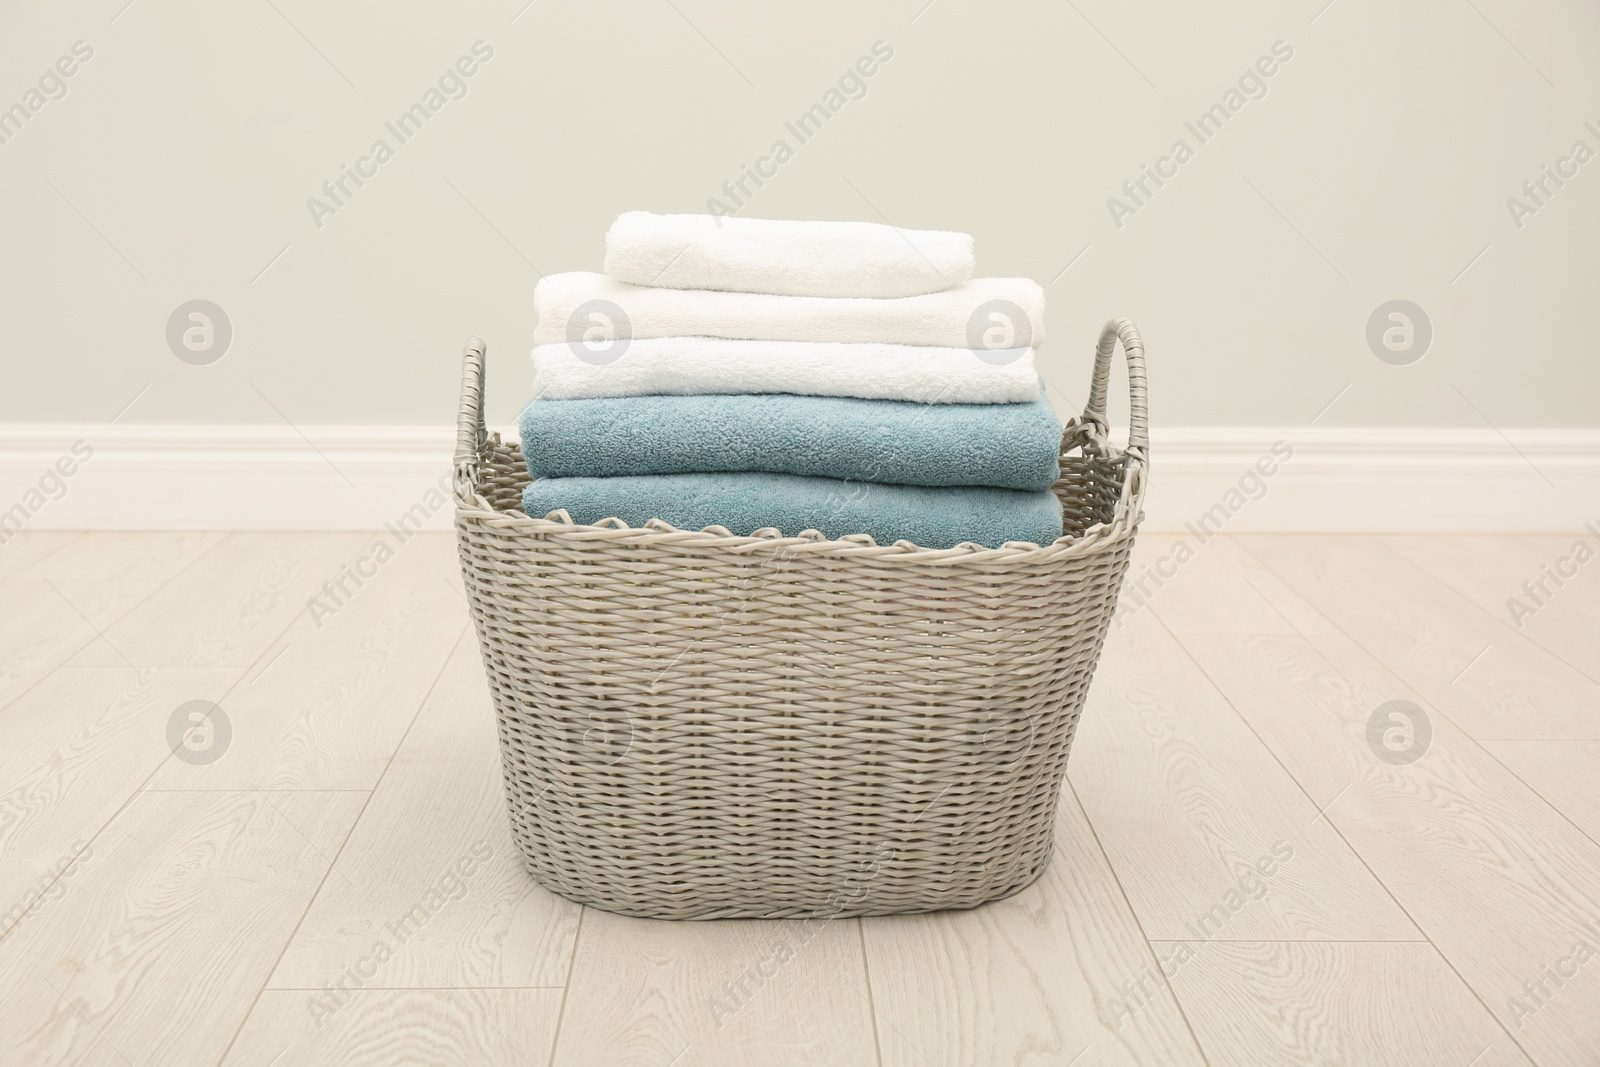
column 699, row 725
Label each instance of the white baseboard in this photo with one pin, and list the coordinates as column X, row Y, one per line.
column 1379, row 479
column 360, row 477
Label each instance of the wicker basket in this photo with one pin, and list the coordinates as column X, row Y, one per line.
column 699, row 725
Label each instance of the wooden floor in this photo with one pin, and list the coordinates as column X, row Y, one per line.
column 1261, row 859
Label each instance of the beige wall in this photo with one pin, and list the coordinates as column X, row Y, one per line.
column 1377, row 166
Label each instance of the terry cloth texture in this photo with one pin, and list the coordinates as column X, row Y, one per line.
column 784, row 258
column 746, row 502
column 1009, row 446
column 987, row 313
column 687, row 365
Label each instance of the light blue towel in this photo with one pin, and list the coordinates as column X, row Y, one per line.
column 746, row 502
column 1012, row 446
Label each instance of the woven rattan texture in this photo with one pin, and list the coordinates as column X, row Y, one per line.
column 700, row 725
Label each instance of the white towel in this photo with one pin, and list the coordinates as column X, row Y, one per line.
column 784, row 258
column 986, row 313
column 686, row 366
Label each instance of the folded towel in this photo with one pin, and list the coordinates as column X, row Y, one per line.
column 688, row 365
column 1011, row 446
column 745, row 503
column 985, row 313
column 784, row 258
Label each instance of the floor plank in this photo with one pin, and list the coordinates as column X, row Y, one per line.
column 1209, row 587
column 74, row 749
column 104, row 574
column 386, row 1027
column 24, row 549
column 651, row 992
column 1037, row 979
column 1500, row 574
column 65, row 600
column 1321, row 1003
column 1490, row 680
column 157, row 948
column 437, row 822
column 229, row 606
column 329, row 711
column 1564, row 773
column 1187, row 802
column 1494, row 877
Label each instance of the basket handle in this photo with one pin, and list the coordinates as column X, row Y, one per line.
column 471, row 431
column 1138, row 404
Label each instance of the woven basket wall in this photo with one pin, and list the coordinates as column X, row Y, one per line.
column 701, row 725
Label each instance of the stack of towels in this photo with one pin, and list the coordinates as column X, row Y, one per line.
column 845, row 377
